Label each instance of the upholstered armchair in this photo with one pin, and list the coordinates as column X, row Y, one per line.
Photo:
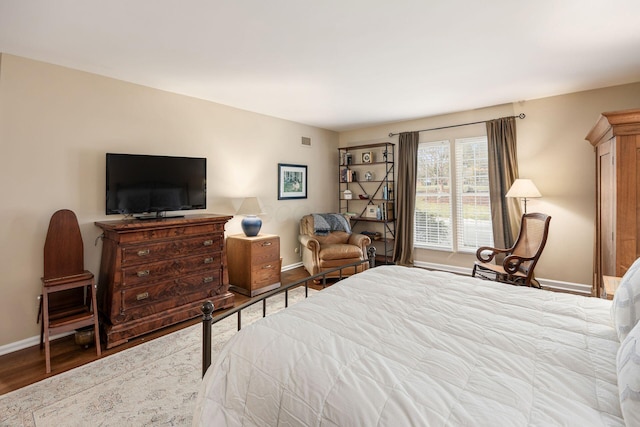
column 330, row 248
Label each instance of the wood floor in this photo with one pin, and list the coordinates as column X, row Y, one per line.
column 24, row 367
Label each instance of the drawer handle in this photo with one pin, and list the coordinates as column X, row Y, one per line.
column 144, row 252
column 143, row 273
column 267, row 244
column 268, row 267
column 208, row 242
column 207, row 279
column 208, row 260
column 142, row 296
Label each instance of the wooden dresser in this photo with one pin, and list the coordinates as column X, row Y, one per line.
column 254, row 263
column 158, row 272
column 616, row 140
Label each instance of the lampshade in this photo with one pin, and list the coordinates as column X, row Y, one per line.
column 251, row 224
column 250, row 206
column 523, row 188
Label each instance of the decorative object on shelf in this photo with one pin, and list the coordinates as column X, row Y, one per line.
column 525, row 189
column 348, row 158
column 367, row 157
column 371, row 212
column 373, row 235
column 251, row 223
column 364, row 196
column 368, row 176
column 292, row 181
column 347, row 194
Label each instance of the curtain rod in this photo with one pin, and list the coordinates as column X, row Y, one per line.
column 519, row 116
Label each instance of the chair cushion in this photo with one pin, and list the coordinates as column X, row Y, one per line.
column 628, row 367
column 625, row 310
column 339, row 251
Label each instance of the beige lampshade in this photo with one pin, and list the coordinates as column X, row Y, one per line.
column 524, row 188
column 250, row 206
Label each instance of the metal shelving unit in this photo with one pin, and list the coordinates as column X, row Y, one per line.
column 367, row 171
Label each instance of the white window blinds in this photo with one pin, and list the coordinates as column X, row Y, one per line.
column 452, row 195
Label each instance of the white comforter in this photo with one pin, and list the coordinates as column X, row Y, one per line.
column 397, row 346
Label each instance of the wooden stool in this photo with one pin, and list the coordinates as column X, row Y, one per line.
column 64, row 271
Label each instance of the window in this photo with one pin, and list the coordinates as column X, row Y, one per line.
column 452, row 195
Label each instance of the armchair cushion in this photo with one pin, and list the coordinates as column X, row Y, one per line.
column 340, row 251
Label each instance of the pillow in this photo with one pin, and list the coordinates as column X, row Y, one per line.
column 628, row 367
column 625, row 310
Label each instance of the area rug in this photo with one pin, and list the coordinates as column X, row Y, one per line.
column 152, row 384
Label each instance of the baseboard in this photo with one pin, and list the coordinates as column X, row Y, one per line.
column 28, row 342
column 556, row 285
column 291, row 266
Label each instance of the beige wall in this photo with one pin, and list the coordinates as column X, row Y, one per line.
column 553, row 153
column 56, row 124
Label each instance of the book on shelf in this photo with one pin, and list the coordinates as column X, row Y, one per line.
column 347, row 175
column 387, row 211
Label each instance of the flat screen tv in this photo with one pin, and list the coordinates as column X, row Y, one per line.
column 152, row 185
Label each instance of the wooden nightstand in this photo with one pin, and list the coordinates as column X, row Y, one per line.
column 610, row 285
column 253, row 263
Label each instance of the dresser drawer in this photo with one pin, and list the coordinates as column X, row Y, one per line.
column 161, row 270
column 265, row 250
column 144, row 253
column 166, row 233
column 265, row 274
column 142, row 301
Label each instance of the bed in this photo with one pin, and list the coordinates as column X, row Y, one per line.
column 396, row 346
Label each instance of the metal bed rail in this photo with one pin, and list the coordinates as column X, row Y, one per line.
column 207, row 308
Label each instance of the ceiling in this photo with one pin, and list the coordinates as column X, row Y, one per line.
column 338, row 64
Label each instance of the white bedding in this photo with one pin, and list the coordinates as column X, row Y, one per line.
column 397, row 346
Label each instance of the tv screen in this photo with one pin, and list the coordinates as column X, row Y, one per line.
column 144, row 184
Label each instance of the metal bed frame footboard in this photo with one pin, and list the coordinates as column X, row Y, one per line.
column 207, row 308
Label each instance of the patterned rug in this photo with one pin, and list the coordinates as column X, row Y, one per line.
column 152, row 384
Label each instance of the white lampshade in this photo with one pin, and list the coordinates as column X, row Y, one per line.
column 525, row 189
column 250, row 206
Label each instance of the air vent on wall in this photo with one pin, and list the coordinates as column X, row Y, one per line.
column 306, row 141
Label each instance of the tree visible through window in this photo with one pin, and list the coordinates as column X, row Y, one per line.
column 452, row 196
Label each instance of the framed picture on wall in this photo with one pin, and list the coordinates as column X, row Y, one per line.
column 292, row 181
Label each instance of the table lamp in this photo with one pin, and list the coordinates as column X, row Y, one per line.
column 250, row 208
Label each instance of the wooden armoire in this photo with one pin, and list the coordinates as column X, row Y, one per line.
column 616, row 140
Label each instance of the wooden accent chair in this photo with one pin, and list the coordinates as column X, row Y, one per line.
column 520, row 260
column 66, row 283
column 335, row 248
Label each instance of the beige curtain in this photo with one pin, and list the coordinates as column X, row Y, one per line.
column 503, row 171
column 407, row 165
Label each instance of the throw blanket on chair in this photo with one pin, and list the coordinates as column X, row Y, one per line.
column 323, row 224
